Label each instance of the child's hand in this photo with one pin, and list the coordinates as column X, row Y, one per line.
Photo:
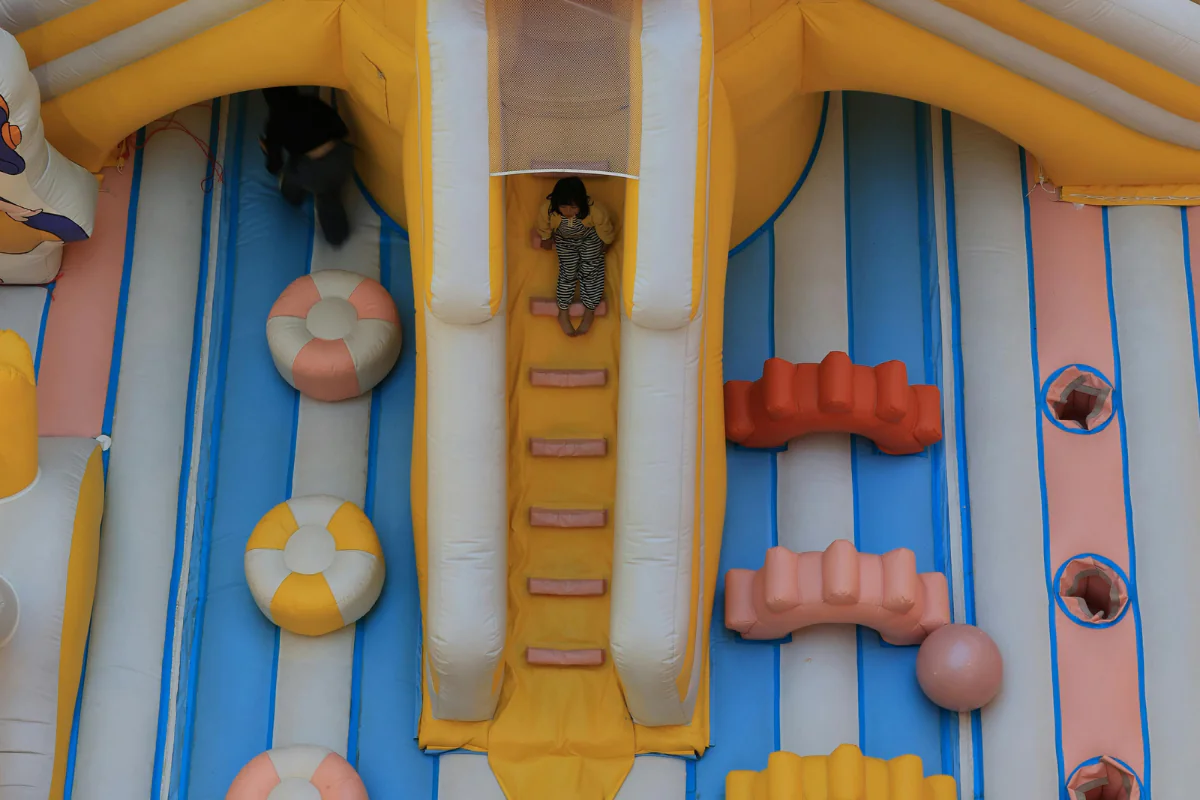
column 535, row 239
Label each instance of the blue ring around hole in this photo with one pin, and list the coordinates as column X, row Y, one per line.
column 1096, row 760
column 1108, row 623
column 1045, row 404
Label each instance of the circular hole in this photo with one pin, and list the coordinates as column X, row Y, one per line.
column 1091, row 591
column 1079, row 399
column 1105, row 779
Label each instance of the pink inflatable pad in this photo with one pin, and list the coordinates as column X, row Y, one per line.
column 568, row 518
column 795, row 590
column 548, row 307
column 568, row 378
column 557, row 587
column 568, row 448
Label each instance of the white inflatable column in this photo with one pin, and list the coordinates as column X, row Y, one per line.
column 466, row 426
column 655, row 597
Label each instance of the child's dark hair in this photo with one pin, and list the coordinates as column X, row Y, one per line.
column 570, row 192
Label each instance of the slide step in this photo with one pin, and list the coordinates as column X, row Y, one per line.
column 568, row 378
column 550, row 657
column 568, row 448
column 548, row 307
column 568, row 517
column 567, row 587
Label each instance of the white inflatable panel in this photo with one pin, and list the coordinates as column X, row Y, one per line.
column 1006, row 503
column 1163, row 32
column 654, row 520
column 818, row 670
column 35, row 550
column 39, row 179
column 458, row 63
column 467, row 533
column 1158, row 390
column 18, row 16
column 671, row 55
column 119, row 723
column 1054, row 73
column 156, row 33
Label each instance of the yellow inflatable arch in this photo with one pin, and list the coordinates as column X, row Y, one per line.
column 1105, row 123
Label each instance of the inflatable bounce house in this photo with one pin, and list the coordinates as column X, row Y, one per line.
column 874, row 478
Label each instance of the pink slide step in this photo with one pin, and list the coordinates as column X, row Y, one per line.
column 550, row 657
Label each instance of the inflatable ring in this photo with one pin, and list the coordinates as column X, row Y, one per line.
column 334, row 334
column 314, row 564
column 298, row 772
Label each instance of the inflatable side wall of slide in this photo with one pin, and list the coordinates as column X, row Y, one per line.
column 669, row 510
column 51, row 504
column 41, row 191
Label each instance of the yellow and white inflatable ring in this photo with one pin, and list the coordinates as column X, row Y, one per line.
column 314, row 564
column 334, row 334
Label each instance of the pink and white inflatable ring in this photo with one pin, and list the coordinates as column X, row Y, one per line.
column 334, row 334
column 298, row 772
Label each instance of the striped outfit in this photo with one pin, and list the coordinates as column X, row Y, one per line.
column 580, row 260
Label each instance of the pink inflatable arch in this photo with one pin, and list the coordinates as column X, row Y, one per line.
column 796, row 590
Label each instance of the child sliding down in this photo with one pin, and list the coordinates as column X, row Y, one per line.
column 581, row 231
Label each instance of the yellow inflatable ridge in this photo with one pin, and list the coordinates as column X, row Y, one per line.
column 18, row 415
column 843, row 775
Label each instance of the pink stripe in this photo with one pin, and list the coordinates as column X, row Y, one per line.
column 372, row 301
column 550, row 657
column 78, row 344
column 297, row 299
column 1098, row 672
column 324, row 370
column 1193, row 220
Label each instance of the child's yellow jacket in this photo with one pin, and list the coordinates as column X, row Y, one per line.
column 598, row 218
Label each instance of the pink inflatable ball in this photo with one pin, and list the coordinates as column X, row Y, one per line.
column 959, row 667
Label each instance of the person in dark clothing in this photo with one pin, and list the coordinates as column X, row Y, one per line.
column 305, row 143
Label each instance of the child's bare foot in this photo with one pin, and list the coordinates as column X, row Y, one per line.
column 564, row 321
column 585, row 324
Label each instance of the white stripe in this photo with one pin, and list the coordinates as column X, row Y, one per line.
column 354, row 582
column 1054, row 73
column 152, row 35
column 1158, row 395
column 312, row 688
column 1163, row 32
column 463, row 776
column 18, row 16
column 950, row 413
column 118, row 728
column 1002, row 455
column 671, row 49
column 21, row 309
column 198, row 423
column 818, row 671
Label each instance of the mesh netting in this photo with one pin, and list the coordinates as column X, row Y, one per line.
column 564, row 79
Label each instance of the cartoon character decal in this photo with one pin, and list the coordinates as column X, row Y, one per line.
column 11, row 163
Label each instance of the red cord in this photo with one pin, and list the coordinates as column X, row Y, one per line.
column 172, row 124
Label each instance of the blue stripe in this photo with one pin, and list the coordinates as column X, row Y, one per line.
column 389, row 674
column 37, row 357
column 360, row 632
column 964, row 483
column 1119, row 404
column 110, row 403
column 744, row 695
column 812, row 158
column 267, row 250
column 214, row 412
column 890, row 257
column 1041, row 446
column 185, row 472
column 931, row 292
column 114, row 370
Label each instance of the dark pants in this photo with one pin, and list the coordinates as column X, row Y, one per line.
column 324, row 178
